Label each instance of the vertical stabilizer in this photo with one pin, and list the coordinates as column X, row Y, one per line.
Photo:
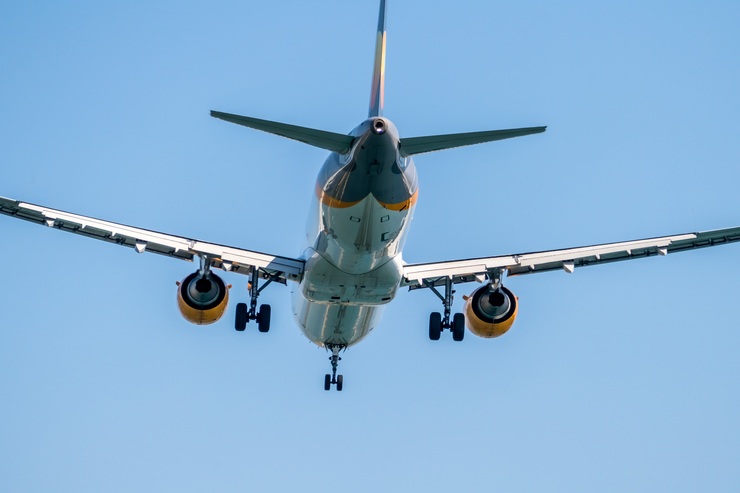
column 378, row 89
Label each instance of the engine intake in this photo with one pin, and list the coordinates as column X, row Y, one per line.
column 202, row 300
column 490, row 312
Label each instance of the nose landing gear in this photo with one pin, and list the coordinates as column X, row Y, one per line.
column 334, row 379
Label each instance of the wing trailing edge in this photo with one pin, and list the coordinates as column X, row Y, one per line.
column 421, row 145
column 233, row 259
column 417, row 276
column 318, row 138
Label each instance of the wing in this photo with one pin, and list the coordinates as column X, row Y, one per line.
column 434, row 274
column 280, row 269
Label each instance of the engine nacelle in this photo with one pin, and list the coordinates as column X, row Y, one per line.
column 202, row 300
column 490, row 312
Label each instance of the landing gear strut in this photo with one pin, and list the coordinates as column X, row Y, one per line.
column 334, row 379
column 244, row 315
column 438, row 323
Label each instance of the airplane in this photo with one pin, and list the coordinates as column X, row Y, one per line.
column 351, row 264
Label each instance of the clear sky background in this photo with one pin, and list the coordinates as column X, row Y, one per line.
column 616, row 378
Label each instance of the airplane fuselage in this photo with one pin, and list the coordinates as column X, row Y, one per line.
column 357, row 226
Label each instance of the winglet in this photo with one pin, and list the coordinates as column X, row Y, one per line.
column 378, row 87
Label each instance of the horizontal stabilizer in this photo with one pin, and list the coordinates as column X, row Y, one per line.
column 420, row 145
column 318, row 138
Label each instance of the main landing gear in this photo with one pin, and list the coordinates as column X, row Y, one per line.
column 438, row 323
column 334, row 379
column 244, row 315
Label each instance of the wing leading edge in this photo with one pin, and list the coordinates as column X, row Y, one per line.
column 418, row 276
column 228, row 258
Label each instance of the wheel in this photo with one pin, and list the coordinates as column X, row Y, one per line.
column 458, row 327
column 435, row 326
column 327, row 382
column 340, row 380
column 263, row 322
column 241, row 317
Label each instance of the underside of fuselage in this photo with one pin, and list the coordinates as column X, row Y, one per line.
column 357, row 227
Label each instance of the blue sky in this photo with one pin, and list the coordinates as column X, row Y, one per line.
column 617, row 378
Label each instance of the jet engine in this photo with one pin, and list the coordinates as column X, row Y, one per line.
column 202, row 299
column 490, row 312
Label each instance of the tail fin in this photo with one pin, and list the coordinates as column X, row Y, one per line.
column 378, row 89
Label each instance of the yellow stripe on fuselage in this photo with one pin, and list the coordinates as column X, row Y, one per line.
column 402, row 206
column 330, row 201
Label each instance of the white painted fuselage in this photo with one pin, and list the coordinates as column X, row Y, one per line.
column 352, row 248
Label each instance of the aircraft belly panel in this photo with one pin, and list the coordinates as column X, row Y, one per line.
column 323, row 282
column 359, row 238
column 335, row 307
column 334, row 323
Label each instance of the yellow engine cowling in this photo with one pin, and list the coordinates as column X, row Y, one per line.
column 202, row 300
column 490, row 312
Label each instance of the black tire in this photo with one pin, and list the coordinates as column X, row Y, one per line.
column 458, row 327
column 327, row 382
column 435, row 326
column 340, row 381
column 263, row 322
column 241, row 317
